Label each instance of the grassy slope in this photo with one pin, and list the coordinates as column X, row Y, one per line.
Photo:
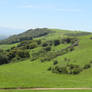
column 35, row 74
column 82, row 54
column 5, row 47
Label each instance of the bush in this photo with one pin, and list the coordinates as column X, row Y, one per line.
column 18, row 53
column 3, row 59
column 90, row 62
column 13, row 47
column 91, row 38
column 56, row 42
column 38, row 42
column 47, row 48
column 76, row 71
column 28, row 44
column 59, row 69
column 33, row 45
column 87, row 66
column 50, row 43
column 11, row 54
column 67, row 69
column 72, row 48
column 23, row 54
column 49, row 68
column 67, row 40
column 45, row 44
column 55, row 62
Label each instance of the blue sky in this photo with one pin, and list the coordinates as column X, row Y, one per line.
column 62, row 14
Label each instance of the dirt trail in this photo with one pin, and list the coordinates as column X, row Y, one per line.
column 45, row 88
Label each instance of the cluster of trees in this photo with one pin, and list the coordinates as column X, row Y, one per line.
column 28, row 35
column 53, row 54
column 68, row 68
column 78, row 34
column 12, row 55
column 57, row 42
column 21, row 51
column 69, row 40
column 18, row 54
column 46, row 53
column 31, row 44
column 3, row 58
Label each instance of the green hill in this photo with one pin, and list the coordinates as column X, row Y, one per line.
column 60, row 59
column 28, row 35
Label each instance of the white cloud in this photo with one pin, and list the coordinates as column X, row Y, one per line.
column 68, row 10
column 26, row 6
column 47, row 7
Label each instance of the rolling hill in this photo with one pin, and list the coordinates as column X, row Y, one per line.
column 55, row 60
column 28, row 35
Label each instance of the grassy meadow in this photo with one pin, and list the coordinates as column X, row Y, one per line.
column 35, row 74
column 7, row 46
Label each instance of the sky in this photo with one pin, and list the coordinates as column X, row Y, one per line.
column 62, row 14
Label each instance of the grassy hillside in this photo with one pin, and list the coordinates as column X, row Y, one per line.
column 41, row 32
column 28, row 35
column 83, row 53
column 34, row 73
column 7, row 46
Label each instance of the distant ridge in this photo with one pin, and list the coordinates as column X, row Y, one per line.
column 2, row 37
column 28, row 35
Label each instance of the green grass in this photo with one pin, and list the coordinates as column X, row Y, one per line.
column 82, row 54
column 6, row 46
column 35, row 74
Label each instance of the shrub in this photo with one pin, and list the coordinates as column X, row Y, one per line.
column 68, row 40
column 50, row 43
column 33, row 45
column 3, row 59
column 56, row 42
column 90, row 62
column 59, row 69
column 13, row 47
column 67, row 69
column 76, row 71
column 38, row 42
column 55, row 62
column 49, row 68
column 11, row 54
column 72, row 48
column 23, row 54
column 18, row 53
column 45, row 44
column 90, row 37
column 47, row 48
column 87, row 66
column 28, row 44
